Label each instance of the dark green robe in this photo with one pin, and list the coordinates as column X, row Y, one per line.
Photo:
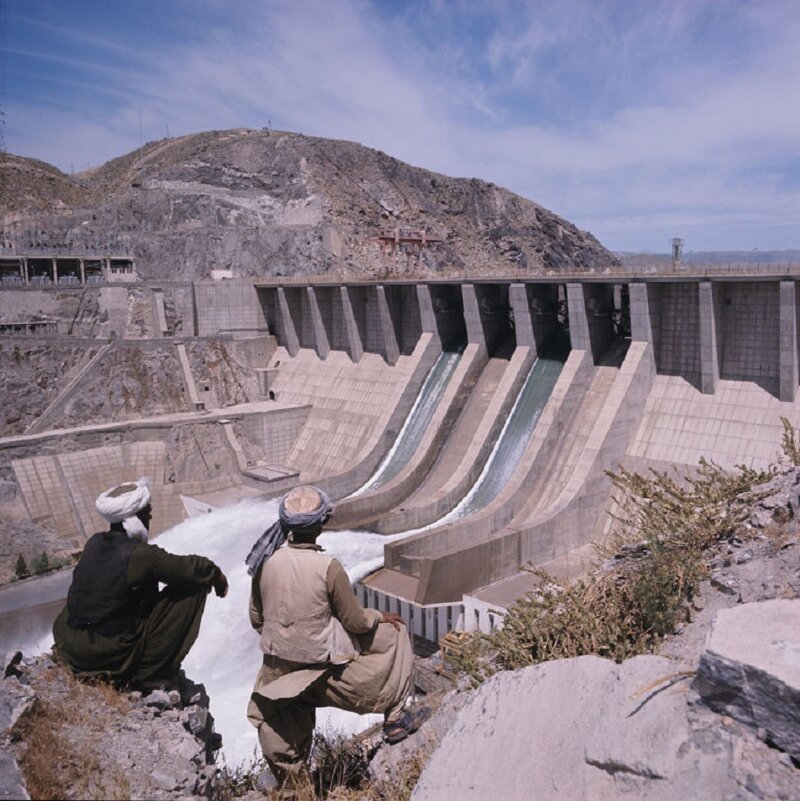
column 162, row 639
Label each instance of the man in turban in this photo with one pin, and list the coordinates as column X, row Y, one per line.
column 116, row 623
column 321, row 647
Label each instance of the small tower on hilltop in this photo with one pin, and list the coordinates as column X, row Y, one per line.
column 677, row 252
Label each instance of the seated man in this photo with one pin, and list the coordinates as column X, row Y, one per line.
column 116, row 624
column 321, row 647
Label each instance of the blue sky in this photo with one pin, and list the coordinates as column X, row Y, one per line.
column 639, row 120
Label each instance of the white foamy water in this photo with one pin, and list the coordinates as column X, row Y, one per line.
column 226, row 656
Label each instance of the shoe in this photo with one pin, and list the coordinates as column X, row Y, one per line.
column 407, row 724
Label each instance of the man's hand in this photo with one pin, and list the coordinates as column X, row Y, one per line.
column 393, row 618
column 220, row 584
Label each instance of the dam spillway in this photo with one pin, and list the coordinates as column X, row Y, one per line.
column 513, row 439
column 418, row 419
column 322, row 376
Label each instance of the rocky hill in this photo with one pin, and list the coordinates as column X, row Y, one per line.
column 277, row 203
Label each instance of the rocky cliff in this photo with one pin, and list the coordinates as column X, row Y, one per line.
column 62, row 738
column 275, row 203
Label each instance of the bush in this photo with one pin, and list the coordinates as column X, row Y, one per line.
column 21, row 568
column 665, row 527
column 41, row 564
column 790, row 443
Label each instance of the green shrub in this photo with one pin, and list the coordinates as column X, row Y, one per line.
column 41, row 564
column 664, row 528
column 790, row 444
column 21, row 568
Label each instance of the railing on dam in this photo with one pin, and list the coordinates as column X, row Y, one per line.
column 686, row 271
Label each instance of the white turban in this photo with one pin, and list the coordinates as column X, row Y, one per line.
column 121, row 504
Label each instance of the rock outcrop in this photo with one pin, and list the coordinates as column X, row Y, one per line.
column 750, row 670
column 277, row 203
column 589, row 728
column 159, row 745
column 714, row 715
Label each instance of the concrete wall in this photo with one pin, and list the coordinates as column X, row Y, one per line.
column 228, row 307
column 749, row 337
column 675, row 320
column 448, row 309
column 428, row 622
column 495, row 315
column 188, row 455
column 275, row 434
column 599, row 302
column 114, row 307
column 544, row 305
column 405, row 315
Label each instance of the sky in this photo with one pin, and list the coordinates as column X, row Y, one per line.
column 638, row 120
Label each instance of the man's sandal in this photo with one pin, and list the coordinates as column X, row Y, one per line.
column 407, row 724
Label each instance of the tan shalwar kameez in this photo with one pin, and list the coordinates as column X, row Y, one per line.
column 321, row 648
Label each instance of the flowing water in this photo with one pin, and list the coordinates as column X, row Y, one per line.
column 513, row 440
column 416, row 423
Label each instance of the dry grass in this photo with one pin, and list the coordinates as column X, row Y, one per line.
column 339, row 772
column 63, row 735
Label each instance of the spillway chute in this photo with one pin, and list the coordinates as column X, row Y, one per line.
column 415, row 425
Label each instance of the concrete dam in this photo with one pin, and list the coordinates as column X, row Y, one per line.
column 471, row 423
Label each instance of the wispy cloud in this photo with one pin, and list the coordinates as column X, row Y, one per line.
column 638, row 121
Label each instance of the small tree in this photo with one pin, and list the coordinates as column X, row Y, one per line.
column 41, row 563
column 790, row 442
column 21, row 567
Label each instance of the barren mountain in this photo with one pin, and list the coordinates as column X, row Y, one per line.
column 274, row 203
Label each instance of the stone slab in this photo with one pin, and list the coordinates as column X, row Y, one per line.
column 750, row 669
column 581, row 728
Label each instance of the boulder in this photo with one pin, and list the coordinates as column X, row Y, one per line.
column 16, row 699
column 750, row 669
column 579, row 728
